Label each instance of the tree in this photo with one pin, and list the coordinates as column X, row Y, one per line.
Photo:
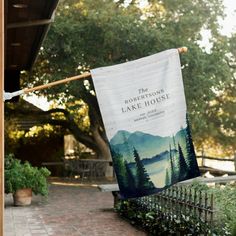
column 89, row 34
column 130, row 179
column 183, row 168
column 191, row 157
column 167, row 179
column 143, row 180
column 121, row 170
column 172, row 167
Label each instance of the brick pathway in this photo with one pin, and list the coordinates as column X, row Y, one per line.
column 69, row 210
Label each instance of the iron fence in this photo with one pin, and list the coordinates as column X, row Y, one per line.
column 179, row 205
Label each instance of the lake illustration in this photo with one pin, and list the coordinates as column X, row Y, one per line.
column 146, row 163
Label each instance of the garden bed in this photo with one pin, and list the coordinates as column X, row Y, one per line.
column 195, row 209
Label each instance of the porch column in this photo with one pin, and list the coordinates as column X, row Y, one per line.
column 1, row 117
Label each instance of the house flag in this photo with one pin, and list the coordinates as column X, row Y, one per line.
column 143, row 107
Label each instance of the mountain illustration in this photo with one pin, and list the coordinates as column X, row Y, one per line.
column 120, row 137
column 146, row 163
column 148, row 145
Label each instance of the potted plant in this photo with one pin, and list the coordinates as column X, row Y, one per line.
column 21, row 179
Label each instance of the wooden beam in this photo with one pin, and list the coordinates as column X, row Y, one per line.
column 216, row 158
column 1, row 118
column 29, row 23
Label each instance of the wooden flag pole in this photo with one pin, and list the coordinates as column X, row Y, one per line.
column 78, row 77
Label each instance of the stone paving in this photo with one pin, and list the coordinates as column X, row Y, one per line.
column 68, row 211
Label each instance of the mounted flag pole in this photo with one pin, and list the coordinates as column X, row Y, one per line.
column 8, row 95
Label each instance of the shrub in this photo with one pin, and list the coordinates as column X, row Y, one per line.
column 159, row 222
column 23, row 175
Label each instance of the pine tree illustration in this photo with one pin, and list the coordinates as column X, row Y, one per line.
column 127, row 147
column 191, row 157
column 143, row 179
column 172, row 173
column 167, row 180
column 131, row 179
column 120, row 169
column 174, row 143
column 183, row 168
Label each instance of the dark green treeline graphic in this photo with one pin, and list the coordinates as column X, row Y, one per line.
column 132, row 182
column 145, row 164
column 143, row 179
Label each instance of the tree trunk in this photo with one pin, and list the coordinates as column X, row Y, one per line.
column 103, row 150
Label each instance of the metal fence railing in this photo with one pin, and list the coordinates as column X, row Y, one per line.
column 179, row 204
column 184, row 205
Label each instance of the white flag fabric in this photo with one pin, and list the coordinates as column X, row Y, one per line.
column 143, row 107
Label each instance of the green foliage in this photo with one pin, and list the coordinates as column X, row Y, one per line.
column 22, row 175
column 161, row 222
column 224, row 206
column 89, row 34
column 198, row 186
column 16, row 135
column 225, row 202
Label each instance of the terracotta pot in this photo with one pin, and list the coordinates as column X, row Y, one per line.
column 22, row 197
